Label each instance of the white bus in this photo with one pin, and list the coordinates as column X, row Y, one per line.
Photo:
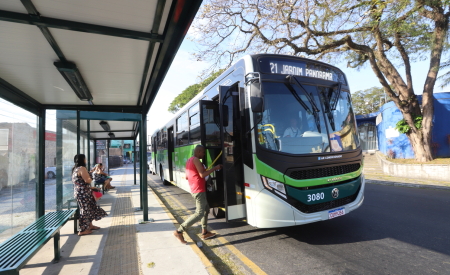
column 284, row 129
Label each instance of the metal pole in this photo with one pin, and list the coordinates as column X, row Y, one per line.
column 88, row 145
column 134, row 160
column 107, row 153
column 78, row 132
column 40, row 177
column 143, row 148
column 59, row 154
column 95, row 151
column 140, row 168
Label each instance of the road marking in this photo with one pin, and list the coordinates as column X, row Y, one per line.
column 249, row 263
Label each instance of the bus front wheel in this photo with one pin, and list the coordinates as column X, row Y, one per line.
column 218, row 213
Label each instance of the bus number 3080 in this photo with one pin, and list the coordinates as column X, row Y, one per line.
column 316, row 197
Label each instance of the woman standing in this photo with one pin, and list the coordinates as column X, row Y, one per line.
column 89, row 210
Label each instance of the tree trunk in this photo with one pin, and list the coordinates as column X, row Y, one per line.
column 421, row 145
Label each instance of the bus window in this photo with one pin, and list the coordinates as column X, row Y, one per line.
column 194, row 124
column 194, row 132
column 182, row 129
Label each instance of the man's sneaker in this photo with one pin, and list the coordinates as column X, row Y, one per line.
column 179, row 236
column 208, row 235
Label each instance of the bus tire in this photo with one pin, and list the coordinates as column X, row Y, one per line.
column 218, row 213
column 164, row 181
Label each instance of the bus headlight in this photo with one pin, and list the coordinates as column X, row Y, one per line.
column 274, row 185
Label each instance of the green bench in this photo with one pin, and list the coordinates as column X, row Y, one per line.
column 20, row 248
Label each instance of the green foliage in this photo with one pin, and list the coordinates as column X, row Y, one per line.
column 190, row 92
column 369, row 100
column 404, row 128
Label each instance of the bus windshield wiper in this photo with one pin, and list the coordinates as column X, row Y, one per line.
column 308, row 96
column 328, row 110
column 336, row 97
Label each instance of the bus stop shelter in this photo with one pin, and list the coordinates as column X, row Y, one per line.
column 73, row 73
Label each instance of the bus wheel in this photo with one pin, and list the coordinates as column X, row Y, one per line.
column 162, row 177
column 218, row 213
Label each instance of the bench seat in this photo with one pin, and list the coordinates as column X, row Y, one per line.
column 20, row 248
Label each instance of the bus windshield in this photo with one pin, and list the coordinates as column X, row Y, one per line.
column 306, row 119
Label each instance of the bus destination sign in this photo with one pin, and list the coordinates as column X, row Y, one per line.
column 298, row 67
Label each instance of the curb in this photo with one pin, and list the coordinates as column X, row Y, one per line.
column 208, row 265
column 410, row 185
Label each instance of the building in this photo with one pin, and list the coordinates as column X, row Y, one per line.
column 377, row 130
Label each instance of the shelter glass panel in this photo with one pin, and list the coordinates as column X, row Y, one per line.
column 50, row 160
column 59, row 190
column 18, row 162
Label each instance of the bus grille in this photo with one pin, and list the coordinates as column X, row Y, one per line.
column 325, row 205
column 324, row 172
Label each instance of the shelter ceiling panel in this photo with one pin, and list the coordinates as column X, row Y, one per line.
column 110, row 66
column 151, row 64
column 164, row 16
column 117, row 135
column 26, row 61
column 113, row 125
column 12, row 5
column 134, row 15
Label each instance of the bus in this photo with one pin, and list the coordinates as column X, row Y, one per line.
column 284, row 129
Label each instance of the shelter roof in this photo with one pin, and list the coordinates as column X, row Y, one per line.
column 118, row 51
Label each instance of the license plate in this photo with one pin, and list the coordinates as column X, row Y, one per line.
column 336, row 213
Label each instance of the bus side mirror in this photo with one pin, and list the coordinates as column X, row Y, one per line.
column 224, row 115
column 256, row 98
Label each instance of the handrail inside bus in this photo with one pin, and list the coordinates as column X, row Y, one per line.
column 215, row 160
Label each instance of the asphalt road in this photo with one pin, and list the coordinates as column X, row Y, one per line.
column 397, row 230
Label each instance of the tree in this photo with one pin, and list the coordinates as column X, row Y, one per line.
column 190, row 92
column 386, row 34
column 369, row 100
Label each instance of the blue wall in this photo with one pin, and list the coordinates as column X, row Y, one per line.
column 391, row 139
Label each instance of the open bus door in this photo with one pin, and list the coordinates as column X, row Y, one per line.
column 212, row 141
column 170, row 151
column 232, row 158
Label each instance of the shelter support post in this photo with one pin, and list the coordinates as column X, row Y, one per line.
column 89, row 144
column 108, row 142
column 40, row 167
column 134, row 160
column 143, row 162
column 78, row 132
column 95, row 152
column 59, row 159
column 139, row 156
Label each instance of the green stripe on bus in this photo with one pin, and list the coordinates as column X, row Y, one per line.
column 267, row 171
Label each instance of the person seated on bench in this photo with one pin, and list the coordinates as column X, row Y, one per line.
column 101, row 177
column 89, row 210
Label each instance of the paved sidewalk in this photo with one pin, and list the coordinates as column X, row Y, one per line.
column 122, row 245
column 374, row 174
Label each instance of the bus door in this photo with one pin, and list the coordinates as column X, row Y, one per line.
column 232, row 159
column 211, row 139
column 170, row 151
